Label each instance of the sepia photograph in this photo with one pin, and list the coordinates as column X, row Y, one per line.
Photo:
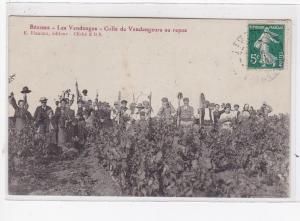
column 149, row 107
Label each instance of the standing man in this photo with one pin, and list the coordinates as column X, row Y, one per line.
column 124, row 112
column 205, row 114
column 41, row 116
column 186, row 113
column 236, row 111
column 216, row 114
column 147, row 109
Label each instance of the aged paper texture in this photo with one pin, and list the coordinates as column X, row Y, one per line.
column 149, row 107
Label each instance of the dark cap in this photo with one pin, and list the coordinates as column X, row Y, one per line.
column 164, row 99
column 124, row 102
column 25, row 90
column 139, row 105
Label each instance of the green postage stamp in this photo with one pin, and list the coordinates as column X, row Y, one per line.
column 265, row 46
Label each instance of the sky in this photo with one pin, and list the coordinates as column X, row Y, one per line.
column 210, row 58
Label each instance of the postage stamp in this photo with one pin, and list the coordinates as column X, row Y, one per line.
column 265, row 46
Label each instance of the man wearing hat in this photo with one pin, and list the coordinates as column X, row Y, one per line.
column 22, row 116
column 41, row 116
column 85, row 97
column 206, row 113
column 167, row 110
column 124, row 112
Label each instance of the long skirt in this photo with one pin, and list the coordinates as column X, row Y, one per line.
column 51, row 137
column 62, row 136
column 20, row 124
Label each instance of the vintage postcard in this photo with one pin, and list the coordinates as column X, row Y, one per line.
column 149, row 107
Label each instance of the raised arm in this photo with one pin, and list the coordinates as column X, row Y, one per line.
column 273, row 39
column 72, row 100
column 26, row 106
column 12, row 101
column 78, row 95
column 36, row 114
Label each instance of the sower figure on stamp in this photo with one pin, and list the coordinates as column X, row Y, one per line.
column 186, row 118
column 267, row 58
column 41, row 118
column 22, row 115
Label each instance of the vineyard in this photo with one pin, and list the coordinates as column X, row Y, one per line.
column 155, row 158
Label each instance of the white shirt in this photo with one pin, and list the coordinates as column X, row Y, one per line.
column 206, row 116
column 85, row 98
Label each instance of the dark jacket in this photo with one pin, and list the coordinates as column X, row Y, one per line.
column 217, row 115
column 41, row 116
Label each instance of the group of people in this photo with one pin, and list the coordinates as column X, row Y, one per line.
column 64, row 125
column 211, row 114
